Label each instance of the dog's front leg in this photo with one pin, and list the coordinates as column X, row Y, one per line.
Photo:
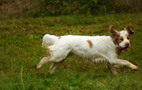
column 126, row 63
column 112, row 69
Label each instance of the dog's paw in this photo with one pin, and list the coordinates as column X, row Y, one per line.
column 135, row 68
column 35, row 68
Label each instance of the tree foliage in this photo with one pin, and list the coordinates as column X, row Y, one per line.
column 13, row 8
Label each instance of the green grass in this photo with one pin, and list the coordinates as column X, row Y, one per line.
column 20, row 50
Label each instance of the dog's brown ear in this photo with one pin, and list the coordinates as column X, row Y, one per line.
column 113, row 33
column 130, row 30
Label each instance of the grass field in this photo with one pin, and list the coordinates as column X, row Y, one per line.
column 20, row 51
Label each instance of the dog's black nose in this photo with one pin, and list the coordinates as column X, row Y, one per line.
column 127, row 44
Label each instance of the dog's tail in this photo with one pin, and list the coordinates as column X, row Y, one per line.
column 48, row 40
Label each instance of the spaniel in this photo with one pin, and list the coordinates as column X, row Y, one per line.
column 91, row 48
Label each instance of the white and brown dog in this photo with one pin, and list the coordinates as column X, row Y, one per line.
column 91, row 48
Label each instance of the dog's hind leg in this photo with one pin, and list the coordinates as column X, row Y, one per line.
column 54, row 66
column 44, row 60
column 57, row 56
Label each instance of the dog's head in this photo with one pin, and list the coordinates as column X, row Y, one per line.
column 121, row 38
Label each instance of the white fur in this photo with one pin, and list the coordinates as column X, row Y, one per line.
column 78, row 45
column 103, row 48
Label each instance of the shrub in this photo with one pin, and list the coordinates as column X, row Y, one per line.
column 36, row 8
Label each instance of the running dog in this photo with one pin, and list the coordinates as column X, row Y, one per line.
column 91, row 48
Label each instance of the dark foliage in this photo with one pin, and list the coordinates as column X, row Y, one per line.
column 36, row 8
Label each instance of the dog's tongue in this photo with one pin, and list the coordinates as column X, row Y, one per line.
column 126, row 48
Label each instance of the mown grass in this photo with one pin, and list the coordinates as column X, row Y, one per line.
column 20, row 50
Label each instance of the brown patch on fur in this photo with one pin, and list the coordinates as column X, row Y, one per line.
column 130, row 30
column 119, row 39
column 128, row 36
column 118, row 51
column 90, row 43
column 113, row 33
column 59, row 37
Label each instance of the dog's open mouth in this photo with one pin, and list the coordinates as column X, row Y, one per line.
column 125, row 48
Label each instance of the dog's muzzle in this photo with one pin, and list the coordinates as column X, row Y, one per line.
column 127, row 47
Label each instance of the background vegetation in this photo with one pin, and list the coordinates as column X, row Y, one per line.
column 20, row 51
column 40, row 8
column 24, row 22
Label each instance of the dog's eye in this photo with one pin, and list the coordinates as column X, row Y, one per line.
column 128, row 38
column 121, row 39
